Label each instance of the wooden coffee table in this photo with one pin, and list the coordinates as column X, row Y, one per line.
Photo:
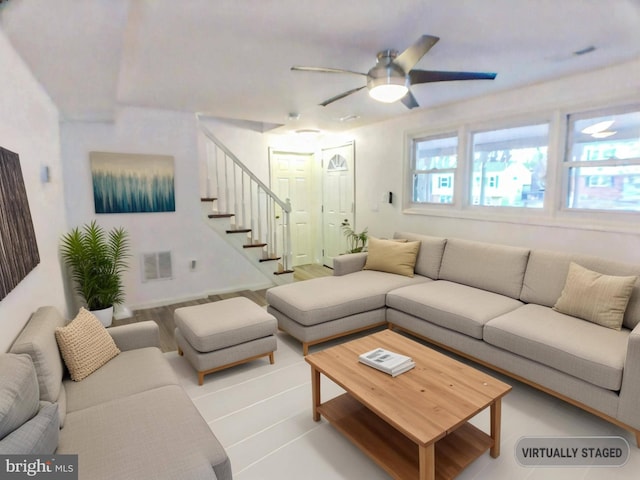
column 415, row 425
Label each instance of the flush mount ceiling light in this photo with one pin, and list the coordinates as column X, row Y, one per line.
column 308, row 132
column 349, row 118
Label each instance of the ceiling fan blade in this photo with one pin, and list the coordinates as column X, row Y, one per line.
column 409, row 100
column 412, row 55
column 342, row 95
column 324, row 70
column 428, row 76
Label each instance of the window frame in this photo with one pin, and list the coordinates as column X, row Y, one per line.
column 412, row 141
column 565, row 165
column 553, row 213
column 507, row 210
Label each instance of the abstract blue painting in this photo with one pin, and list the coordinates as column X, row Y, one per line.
column 132, row 183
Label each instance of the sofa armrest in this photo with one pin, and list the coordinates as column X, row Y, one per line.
column 628, row 411
column 136, row 335
column 349, row 263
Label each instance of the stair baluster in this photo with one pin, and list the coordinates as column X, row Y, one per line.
column 252, row 204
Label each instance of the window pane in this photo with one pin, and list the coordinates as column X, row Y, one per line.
column 605, row 188
column 613, row 141
column 433, row 188
column 607, row 137
column 510, row 167
column 434, row 165
column 436, row 153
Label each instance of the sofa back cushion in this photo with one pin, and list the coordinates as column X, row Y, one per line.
column 547, row 274
column 38, row 340
column 19, row 395
column 495, row 268
column 429, row 255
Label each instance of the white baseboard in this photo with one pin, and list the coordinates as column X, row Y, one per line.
column 127, row 311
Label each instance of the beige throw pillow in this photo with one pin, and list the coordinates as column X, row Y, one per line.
column 391, row 256
column 595, row 297
column 85, row 345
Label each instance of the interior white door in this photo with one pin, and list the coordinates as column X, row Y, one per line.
column 338, row 202
column 291, row 177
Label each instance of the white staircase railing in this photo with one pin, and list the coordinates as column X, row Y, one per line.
column 256, row 210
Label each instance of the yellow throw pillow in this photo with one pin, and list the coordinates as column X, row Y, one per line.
column 85, row 345
column 391, row 256
column 595, row 297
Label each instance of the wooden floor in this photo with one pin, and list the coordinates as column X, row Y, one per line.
column 163, row 315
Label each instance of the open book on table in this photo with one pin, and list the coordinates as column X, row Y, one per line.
column 389, row 362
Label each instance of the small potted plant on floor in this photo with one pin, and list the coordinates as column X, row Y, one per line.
column 356, row 241
column 97, row 260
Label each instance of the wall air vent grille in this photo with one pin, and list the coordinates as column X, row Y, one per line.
column 156, row 266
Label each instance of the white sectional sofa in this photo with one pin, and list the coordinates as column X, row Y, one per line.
column 129, row 419
column 490, row 303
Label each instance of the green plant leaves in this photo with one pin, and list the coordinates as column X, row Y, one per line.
column 97, row 261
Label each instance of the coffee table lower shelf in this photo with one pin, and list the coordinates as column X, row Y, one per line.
column 395, row 453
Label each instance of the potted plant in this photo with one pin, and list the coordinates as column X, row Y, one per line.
column 97, row 260
column 357, row 241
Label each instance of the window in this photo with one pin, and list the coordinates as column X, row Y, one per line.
column 434, row 162
column 510, row 167
column 602, row 165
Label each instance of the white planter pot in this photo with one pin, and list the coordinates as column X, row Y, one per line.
column 105, row 315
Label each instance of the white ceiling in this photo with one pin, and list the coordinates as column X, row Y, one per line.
column 232, row 58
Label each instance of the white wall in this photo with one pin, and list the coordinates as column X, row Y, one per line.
column 183, row 232
column 381, row 156
column 29, row 127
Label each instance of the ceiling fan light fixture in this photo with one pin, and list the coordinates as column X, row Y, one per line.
column 388, row 92
column 387, row 82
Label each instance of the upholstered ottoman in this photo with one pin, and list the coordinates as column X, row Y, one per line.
column 219, row 335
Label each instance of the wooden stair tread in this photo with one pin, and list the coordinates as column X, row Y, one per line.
column 208, row 199
column 255, row 245
column 270, row 259
column 239, row 230
column 221, row 215
column 283, row 272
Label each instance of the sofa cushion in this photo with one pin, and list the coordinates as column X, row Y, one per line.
column 323, row 299
column 85, row 345
column 595, row 297
column 430, row 254
column 496, row 268
column 19, row 394
column 585, row 350
column 391, row 256
column 38, row 340
column 547, row 272
column 131, row 372
column 155, row 434
column 440, row 303
column 38, row 436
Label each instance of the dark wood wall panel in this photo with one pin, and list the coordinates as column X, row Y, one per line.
column 18, row 246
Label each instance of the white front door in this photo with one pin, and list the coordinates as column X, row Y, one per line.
column 338, row 205
column 291, row 178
